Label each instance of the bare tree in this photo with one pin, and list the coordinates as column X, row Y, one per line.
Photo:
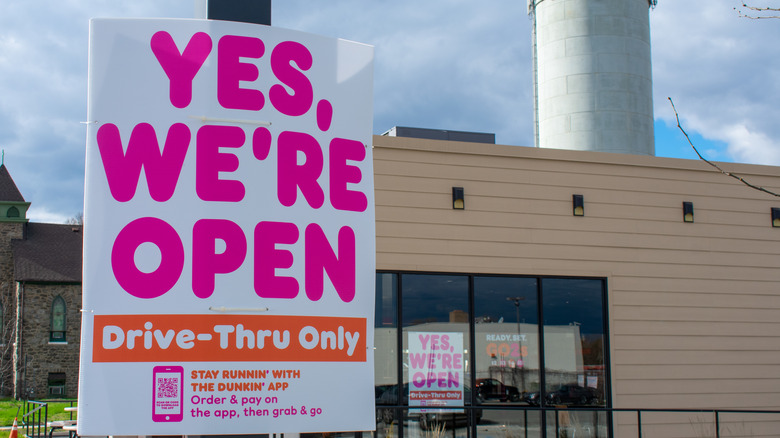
column 757, row 12
column 7, row 338
column 76, row 220
column 730, row 174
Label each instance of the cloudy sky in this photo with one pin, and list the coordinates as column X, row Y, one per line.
column 446, row 64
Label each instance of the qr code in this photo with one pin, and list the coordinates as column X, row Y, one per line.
column 167, row 387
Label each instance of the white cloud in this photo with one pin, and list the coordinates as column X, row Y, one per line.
column 42, row 214
column 750, row 147
column 721, row 70
column 449, row 64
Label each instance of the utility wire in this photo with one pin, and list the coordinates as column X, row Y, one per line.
column 737, row 177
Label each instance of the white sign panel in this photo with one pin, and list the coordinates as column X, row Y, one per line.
column 229, row 253
column 436, row 367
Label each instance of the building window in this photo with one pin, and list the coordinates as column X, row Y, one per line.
column 512, row 343
column 574, row 336
column 386, row 339
column 507, row 338
column 58, row 327
column 56, row 384
column 12, row 212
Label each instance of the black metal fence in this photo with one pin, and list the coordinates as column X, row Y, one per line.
column 585, row 422
column 34, row 419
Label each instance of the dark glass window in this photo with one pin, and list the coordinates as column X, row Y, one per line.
column 434, row 299
column 386, row 339
column 435, row 320
column 506, row 331
column 56, row 384
column 537, row 341
column 574, row 363
column 574, row 341
column 436, row 376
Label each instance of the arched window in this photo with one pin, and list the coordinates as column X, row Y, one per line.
column 58, row 325
column 12, row 212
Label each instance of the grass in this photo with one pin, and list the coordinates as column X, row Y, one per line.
column 10, row 408
column 8, row 411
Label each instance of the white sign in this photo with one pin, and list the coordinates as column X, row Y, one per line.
column 229, row 256
column 436, row 365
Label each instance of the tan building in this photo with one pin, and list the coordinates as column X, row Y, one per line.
column 626, row 306
column 668, row 314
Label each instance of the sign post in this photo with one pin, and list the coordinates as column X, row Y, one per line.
column 229, row 252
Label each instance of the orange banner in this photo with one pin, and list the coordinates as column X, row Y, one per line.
column 228, row 338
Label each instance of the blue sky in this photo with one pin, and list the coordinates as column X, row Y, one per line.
column 671, row 142
column 446, row 64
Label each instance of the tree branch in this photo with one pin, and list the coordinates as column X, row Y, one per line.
column 737, row 177
column 757, row 9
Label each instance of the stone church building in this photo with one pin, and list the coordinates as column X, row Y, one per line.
column 40, row 301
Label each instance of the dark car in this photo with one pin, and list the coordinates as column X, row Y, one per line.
column 492, row 389
column 572, row 395
column 532, row 398
column 566, row 395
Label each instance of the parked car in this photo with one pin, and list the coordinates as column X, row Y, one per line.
column 572, row 395
column 566, row 395
column 492, row 389
column 532, row 398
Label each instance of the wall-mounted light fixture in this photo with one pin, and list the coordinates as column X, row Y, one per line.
column 578, row 205
column 687, row 211
column 775, row 217
column 458, row 199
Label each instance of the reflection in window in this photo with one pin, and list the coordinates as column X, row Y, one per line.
column 57, row 333
column 435, row 339
column 574, row 341
column 386, row 341
column 429, row 299
column 515, row 363
column 507, row 338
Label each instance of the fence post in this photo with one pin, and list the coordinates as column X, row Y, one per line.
column 525, row 422
column 717, row 424
column 639, row 423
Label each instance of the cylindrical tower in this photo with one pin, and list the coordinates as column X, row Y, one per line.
column 593, row 84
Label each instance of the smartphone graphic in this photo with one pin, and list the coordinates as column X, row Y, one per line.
column 167, row 395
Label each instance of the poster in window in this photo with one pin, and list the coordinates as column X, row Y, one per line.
column 436, row 370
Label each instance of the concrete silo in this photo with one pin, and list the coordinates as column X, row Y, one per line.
column 593, row 85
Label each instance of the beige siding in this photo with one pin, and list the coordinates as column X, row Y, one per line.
column 694, row 308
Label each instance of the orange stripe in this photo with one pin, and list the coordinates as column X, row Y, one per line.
column 182, row 338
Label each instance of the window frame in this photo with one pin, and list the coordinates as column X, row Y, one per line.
column 604, row 281
column 63, row 338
